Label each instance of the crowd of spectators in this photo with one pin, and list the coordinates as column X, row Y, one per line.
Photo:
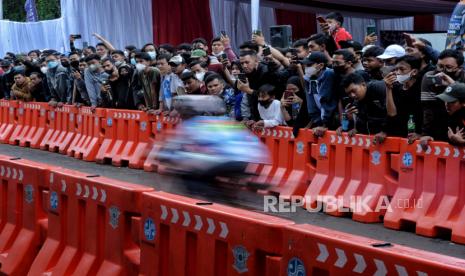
column 325, row 81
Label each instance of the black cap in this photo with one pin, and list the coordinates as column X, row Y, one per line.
column 351, row 44
column 315, row 57
column 5, row 63
column 118, row 52
column 453, row 93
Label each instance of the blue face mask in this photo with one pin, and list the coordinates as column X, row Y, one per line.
column 133, row 61
column 19, row 68
column 52, row 64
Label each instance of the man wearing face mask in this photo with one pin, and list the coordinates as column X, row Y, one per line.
column 390, row 55
column 258, row 74
column 58, row 80
column 321, row 96
column 80, row 95
column 197, row 68
column 333, row 27
column 147, row 83
column 449, row 70
column 178, row 67
column 7, row 79
column 118, row 58
column 151, row 50
column 94, row 76
column 403, row 99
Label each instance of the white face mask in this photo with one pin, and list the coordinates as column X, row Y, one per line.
column 94, row 67
column 152, row 54
column 44, row 69
column 310, row 71
column 332, row 27
column 126, row 53
column 200, row 76
column 140, row 67
column 402, row 79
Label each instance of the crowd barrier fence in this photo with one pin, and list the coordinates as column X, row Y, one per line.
column 321, row 169
column 23, row 221
column 93, row 226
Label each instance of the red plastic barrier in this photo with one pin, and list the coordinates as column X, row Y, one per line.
column 23, row 218
column 31, row 125
column 291, row 169
column 62, row 129
column 161, row 128
column 89, row 134
column 7, row 119
column 353, row 173
column 93, row 226
column 430, row 192
column 311, row 250
column 128, row 137
column 183, row 236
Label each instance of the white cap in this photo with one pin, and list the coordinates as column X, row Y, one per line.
column 393, row 51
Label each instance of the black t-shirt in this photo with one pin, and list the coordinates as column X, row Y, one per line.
column 372, row 115
column 408, row 103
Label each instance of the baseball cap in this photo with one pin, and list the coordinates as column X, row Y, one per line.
column 198, row 53
column 453, row 93
column 5, row 63
column 351, row 44
column 393, row 51
column 176, row 60
column 315, row 57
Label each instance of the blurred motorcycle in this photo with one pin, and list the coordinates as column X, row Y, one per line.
column 208, row 145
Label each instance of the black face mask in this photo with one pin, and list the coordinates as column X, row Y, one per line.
column 75, row 64
column 266, row 103
column 65, row 64
column 339, row 69
column 452, row 74
column 109, row 72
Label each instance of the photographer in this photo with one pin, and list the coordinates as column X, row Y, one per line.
column 449, row 70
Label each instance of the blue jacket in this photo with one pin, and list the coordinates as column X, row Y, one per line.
column 321, row 98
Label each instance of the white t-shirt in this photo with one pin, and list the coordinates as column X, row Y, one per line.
column 272, row 116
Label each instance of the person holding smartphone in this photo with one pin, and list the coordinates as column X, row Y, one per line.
column 449, row 70
column 221, row 48
column 403, row 99
column 292, row 100
column 333, row 27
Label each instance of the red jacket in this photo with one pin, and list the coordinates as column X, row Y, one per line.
column 340, row 35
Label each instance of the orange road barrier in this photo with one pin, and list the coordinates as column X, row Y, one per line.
column 354, row 174
column 430, row 193
column 93, row 226
column 312, row 250
column 23, row 217
column 291, row 170
column 161, row 128
column 8, row 119
column 128, row 137
column 184, row 236
column 31, row 125
column 62, row 129
column 89, row 134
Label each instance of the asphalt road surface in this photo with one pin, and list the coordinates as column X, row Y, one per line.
column 238, row 198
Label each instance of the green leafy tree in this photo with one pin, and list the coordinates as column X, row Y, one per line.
column 46, row 9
